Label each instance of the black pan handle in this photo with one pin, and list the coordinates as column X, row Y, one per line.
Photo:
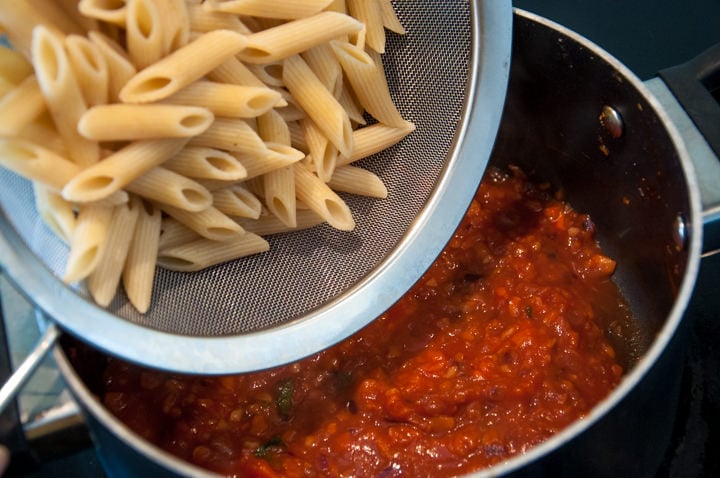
column 696, row 85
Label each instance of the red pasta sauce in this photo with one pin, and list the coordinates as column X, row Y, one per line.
column 501, row 344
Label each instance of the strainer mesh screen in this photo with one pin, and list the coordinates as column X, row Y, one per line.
column 427, row 71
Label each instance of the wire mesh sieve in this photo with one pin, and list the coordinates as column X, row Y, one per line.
column 448, row 75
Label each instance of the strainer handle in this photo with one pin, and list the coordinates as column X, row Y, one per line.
column 20, row 377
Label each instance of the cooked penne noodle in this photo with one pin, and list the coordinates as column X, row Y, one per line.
column 88, row 241
column 224, row 99
column 13, row 66
column 209, row 223
column 144, row 32
column 323, row 63
column 168, row 187
column 183, row 66
column 269, row 224
column 119, row 169
column 62, row 93
column 21, row 106
column 173, row 233
column 138, row 273
column 320, row 105
column 277, row 156
column 350, row 104
column 337, row 6
column 321, row 199
column 369, row 12
column 120, row 68
column 175, row 24
column 90, row 67
column 105, row 278
column 297, row 136
column 57, row 213
column 206, row 163
column 110, row 11
column 365, row 73
column 39, row 132
column 323, row 153
column 293, row 37
column 269, row 73
column 235, row 72
column 389, row 17
column 273, row 128
column 237, row 201
column 269, row 8
column 17, row 21
column 203, row 253
column 203, row 19
column 279, row 192
column 116, row 122
column 373, row 139
column 36, row 163
column 53, row 10
column 354, row 180
column 231, row 134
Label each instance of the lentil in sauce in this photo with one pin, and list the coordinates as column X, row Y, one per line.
column 500, row 345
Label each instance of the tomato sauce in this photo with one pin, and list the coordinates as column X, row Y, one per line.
column 501, row 344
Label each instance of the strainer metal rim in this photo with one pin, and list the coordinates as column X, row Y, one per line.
column 335, row 321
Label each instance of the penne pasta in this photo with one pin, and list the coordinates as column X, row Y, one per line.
column 39, row 132
column 269, row 224
column 236, row 201
column 119, row 169
column 13, row 66
column 173, row 233
column 321, row 199
column 373, row 139
column 273, row 128
column 354, row 180
column 319, row 104
column 231, row 134
column 293, row 37
column 203, row 253
column 365, row 73
column 323, row 63
column 370, row 13
column 138, row 273
column 90, row 68
column 279, row 192
column 277, row 156
column 144, row 32
column 209, row 223
column 88, row 241
column 56, row 213
column 389, row 17
column 175, row 24
column 120, row 68
column 62, row 93
column 109, row 11
column 183, row 66
column 105, row 278
column 270, row 8
column 203, row 19
column 170, row 188
column 36, row 163
column 229, row 100
column 235, row 72
column 118, row 121
column 321, row 151
column 21, row 106
column 206, row 163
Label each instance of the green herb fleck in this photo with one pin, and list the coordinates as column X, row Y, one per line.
column 285, row 398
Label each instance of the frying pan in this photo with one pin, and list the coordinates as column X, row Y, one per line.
column 575, row 117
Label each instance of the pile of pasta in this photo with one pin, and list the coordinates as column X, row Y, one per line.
column 178, row 133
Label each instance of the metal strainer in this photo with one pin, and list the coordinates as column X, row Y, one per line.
column 448, row 75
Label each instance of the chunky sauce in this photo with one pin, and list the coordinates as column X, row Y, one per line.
column 499, row 345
